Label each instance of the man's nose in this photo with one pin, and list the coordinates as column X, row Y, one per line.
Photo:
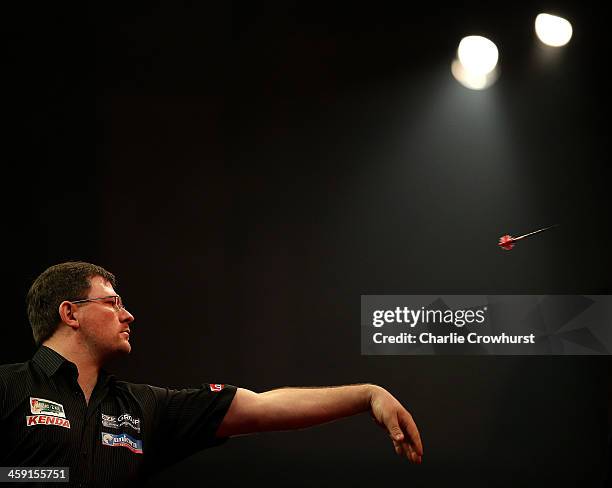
column 127, row 316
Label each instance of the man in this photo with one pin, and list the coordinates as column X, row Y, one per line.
column 62, row 409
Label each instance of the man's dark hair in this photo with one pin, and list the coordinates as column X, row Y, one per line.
column 65, row 281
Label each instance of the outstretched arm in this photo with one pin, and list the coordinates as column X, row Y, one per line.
column 296, row 408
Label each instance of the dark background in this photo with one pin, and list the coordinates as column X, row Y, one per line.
column 249, row 170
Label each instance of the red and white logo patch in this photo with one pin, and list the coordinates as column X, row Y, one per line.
column 216, row 387
column 47, row 420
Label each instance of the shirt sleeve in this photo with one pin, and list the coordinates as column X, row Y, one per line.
column 187, row 420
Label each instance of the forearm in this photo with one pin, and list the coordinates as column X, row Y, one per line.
column 295, row 408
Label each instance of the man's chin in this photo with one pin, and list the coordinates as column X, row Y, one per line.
column 122, row 349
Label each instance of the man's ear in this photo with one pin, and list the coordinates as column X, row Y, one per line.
column 68, row 313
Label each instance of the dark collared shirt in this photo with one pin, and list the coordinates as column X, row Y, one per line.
column 126, row 431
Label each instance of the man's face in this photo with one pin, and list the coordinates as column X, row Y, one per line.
column 104, row 329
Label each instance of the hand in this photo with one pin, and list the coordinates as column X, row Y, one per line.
column 389, row 414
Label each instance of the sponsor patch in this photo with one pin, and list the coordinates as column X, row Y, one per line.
column 40, row 406
column 124, row 420
column 216, row 387
column 109, row 421
column 47, row 420
column 122, row 440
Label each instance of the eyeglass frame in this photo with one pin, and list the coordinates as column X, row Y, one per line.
column 117, row 305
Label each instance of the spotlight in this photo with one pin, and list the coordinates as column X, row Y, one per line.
column 477, row 54
column 476, row 63
column 552, row 30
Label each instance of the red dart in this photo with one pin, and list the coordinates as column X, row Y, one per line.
column 507, row 242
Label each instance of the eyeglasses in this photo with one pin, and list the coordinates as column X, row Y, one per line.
column 117, row 303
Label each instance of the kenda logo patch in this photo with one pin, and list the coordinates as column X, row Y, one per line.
column 124, row 420
column 40, row 406
column 122, row 440
column 47, row 420
column 216, row 387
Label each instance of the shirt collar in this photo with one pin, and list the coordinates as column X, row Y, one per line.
column 51, row 361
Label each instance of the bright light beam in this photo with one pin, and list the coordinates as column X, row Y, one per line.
column 552, row 30
column 476, row 63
